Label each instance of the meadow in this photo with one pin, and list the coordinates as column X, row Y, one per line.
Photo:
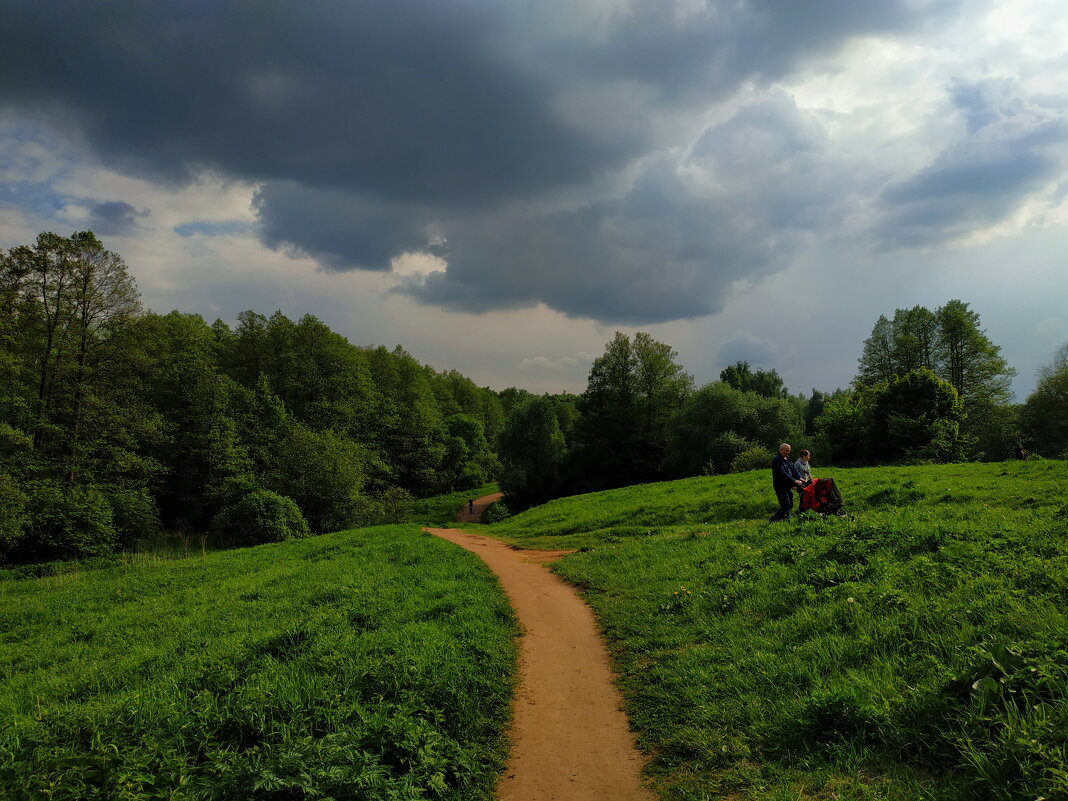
column 371, row 664
column 915, row 650
column 440, row 510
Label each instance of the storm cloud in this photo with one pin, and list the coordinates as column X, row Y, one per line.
column 622, row 161
column 114, row 217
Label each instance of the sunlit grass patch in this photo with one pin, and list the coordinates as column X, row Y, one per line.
column 918, row 649
column 363, row 664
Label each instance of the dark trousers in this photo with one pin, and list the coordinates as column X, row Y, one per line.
column 786, row 503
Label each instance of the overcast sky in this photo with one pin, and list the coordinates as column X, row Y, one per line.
column 499, row 186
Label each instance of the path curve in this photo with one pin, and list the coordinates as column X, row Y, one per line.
column 478, row 507
column 570, row 738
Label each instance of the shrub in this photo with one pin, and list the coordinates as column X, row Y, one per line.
column 12, row 511
column 134, row 513
column 495, row 513
column 725, row 448
column 394, row 505
column 473, row 477
column 67, row 523
column 751, row 459
column 259, row 517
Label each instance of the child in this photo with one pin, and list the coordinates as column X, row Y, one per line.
column 802, row 466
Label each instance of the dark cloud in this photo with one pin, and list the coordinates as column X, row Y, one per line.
column 739, row 206
column 379, row 127
column 758, row 353
column 114, row 217
column 1011, row 150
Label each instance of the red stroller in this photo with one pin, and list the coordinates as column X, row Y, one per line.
column 822, row 496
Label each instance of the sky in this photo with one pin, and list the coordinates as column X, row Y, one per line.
column 500, row 186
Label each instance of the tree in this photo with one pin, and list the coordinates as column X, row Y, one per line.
column 105, row 301
column 661, row 385
column 634, row 391
column 1044, row 416
column 918, row 416
column 532, row 452
column 967, row 358
column 843, row 428
column 948, row 342
column 766, row 383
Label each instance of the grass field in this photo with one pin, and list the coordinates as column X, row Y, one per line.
column 373, row 664
column 916, row 651
column 441, row 510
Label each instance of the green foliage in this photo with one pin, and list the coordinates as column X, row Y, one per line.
column 725, row 448
column 134, row 515
column 66, row 523
column 917, row 649
column 1045, row 413
column 917, row 416
column 323, row 473
column 633, row 394
column 743, row 378
column 948, row 341
column 532, row 452
column 752, row 459
column 258, row 517
column 495, row 513
column 12, row 513
column 364, row 665
column 441, row 510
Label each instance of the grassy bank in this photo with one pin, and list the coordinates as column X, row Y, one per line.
column 372, row 664
column 441, row 509
column 916, row 651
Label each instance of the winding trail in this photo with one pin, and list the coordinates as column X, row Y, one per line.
column 570, row 738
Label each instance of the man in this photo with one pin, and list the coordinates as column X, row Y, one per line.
column 784, row 478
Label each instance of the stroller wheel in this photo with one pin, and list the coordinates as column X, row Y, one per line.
column 841, row 513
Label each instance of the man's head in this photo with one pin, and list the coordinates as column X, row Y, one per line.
column 785, row 449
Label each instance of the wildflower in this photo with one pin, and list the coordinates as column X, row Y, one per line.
column 849, row 600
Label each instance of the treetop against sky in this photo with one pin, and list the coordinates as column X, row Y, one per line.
column 500, row 186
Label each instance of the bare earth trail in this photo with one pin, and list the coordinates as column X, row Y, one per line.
column 570, row 739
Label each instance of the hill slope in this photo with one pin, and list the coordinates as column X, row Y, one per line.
column 918, row 650
column 362, row 664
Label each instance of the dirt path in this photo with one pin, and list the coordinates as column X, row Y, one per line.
column 465, row 516
column 570, row 739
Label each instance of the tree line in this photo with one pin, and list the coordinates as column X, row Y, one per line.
column 930, row 386
column 116, row 422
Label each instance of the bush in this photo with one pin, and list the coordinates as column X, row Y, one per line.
column 12, row 512
column 751, row 459
column 67, row 523
column 473, row 477
column 725, row 448
column 495, row 513
column 259, row 517
column 394, row 505
column 134, row 513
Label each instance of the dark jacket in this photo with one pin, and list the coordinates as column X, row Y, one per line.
column 783, row 473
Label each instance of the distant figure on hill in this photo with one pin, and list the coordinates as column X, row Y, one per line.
column 470, row 506
column 801, row 465
column 784, row 478
column 1020, row 452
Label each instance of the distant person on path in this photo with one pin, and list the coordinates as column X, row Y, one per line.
column 801, row 465
column 784, row 478
column 1020, row 452
column 470, row 506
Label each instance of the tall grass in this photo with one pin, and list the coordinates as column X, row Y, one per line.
column 916, row 651
column 372, row 664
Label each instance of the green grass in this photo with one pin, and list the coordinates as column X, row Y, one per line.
column 916, row 651
column 372, row 664
column 441, row 509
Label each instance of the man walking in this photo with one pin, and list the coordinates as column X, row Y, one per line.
column 784, row 478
